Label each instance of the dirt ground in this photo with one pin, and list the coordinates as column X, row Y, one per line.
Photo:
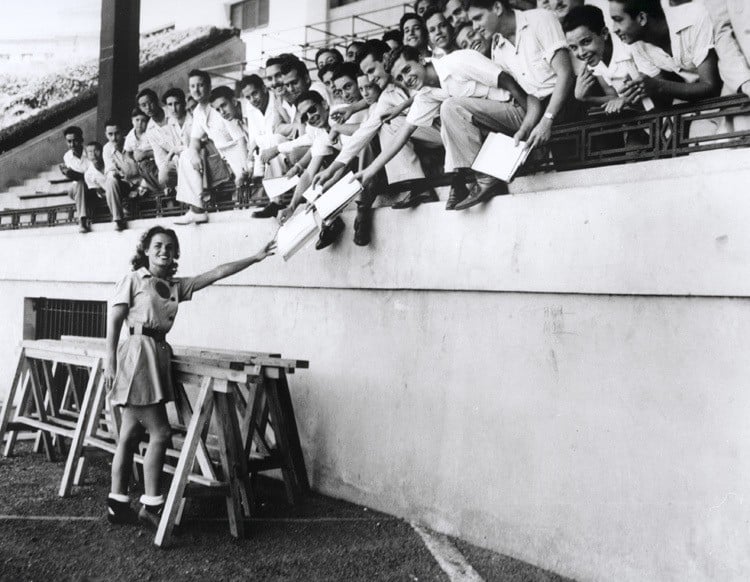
column 44, row 537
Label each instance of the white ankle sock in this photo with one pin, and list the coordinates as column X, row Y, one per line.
column 119, row 497
column 152, row 500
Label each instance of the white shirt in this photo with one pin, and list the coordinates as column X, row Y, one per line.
column 462, row 73
column 316, row 138
column 538, row 37
column 208, row 123
column 133, row 142
column 622, row 68
column 162, row 139
column 110, row 156
column 94, row 178
column 75, row 163
column 691, row 36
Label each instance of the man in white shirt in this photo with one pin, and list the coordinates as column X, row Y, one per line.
column 678, row 42
column 141, row 154
column 181, row 122
column 161, row 136
column 207, row 124
column 104, row 183
column 731, row 19
column 74, row 167
column 223, row 101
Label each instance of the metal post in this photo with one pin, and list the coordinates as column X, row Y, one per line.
column 118, row 61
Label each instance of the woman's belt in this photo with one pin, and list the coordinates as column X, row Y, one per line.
column 159, row 336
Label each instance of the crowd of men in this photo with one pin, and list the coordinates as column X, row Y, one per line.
column 453, row 71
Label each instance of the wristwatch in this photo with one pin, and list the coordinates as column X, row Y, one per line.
column 549, row 116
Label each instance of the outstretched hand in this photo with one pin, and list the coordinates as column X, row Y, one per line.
column 266, row 251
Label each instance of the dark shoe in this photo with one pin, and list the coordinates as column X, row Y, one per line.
column 458, row 193
column 330, row 234
column 84, row 225
column 362, row 226
column 412, row 199
column 121, row 224
column 150, row 516
column 269, row 211
column 480, row 192
column 120, row 513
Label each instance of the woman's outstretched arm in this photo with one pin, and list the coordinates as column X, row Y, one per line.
column 228, row 269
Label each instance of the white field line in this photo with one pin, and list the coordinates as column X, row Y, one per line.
column 205, row 519
column 447, row 556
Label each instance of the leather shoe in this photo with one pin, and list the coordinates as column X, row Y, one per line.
column 270, row 211
column 480, row 192
column 362, row 226
column 329, row 234
column 414, row 198
column 84, row 225
column 458, row 193
column 120, row 225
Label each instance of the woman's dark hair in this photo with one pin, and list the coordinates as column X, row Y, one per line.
column 141, row 260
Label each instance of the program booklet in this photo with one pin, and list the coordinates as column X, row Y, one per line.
column 275, row 187
column 338, row 196
column 500, row 157
column 296, row 232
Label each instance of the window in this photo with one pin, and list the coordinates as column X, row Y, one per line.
column 52, row 318
column 249, row 14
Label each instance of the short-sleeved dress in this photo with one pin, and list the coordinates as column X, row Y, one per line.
column 144, row 372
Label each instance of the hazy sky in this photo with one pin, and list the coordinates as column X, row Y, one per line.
column 49, row 18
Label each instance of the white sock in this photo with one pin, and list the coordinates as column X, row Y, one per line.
column 119, row 497
column 152, row 500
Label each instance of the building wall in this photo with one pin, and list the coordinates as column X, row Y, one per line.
column 560, row 375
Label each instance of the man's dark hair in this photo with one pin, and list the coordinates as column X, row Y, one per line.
column 175, row 92
column 411, row 16
column 360, row 46
column 486, row 4
column 136, row 111
column 409, row 53
column 327, row 69
column 73, row 129
column 202, row 74
column 377, row 49
column 281, row 59
column 393, row 35
column 112, row 122
column 313, row 96
column 460, row 27
column 432, row 11
column 589, row 16
column 648, row 7
column 147, row 93
column 221, row 91
column 332, row 50
column 350, row 70
column 252, row 80
column 296, row 65
column 96, row 144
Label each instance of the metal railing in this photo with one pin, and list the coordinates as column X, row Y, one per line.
column 594, row 142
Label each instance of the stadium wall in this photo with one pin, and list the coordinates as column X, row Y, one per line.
column 560, row 376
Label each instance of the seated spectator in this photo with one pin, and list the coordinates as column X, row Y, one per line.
column 459, row 74
column 393, row 38
column 354, row 52
column 328, row 56
column 180, row 119
column 421, row 6
column 138, row 150
column 455, row 13
column 560, row 8
column 467, row 37
column 530, row 47
column 370, row 91
column 161, row 138
column 608, row 62
column 325, row 74
column 345, row 84
column 260, row 119
column 223, row 101
column 679, row 42
column 74, row 167
column 414, row 33
column 731, row 20
column 104, row 183
column 439, row 33
column 274, row 78
column 116, row 162
column 405, row 165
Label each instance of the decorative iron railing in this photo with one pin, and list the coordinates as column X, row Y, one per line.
column 597, row 141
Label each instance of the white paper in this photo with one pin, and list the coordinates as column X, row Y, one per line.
column 500, row 157
column 295, row 233
column 338, row 196
column 312, row 193
column 275, row 187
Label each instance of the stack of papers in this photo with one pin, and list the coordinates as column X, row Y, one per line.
column 296, row 233
column 500, row 157
column 338, row 196
column 275, row 187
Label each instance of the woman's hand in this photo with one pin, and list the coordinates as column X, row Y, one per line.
column 110, row 371
column 267, row 251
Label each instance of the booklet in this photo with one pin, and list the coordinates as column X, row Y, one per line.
column 275, row 187
column 296, row 232
column 500, row 157
column 312, row 193
column 338, row 196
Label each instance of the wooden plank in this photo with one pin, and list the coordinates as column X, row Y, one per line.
column 228, row 455
column 295, row 447
column 38, row 396
column 61, row 356
column 281, row 429
column 23, row 404
column 9, row 401
column 203, row 407
column 76, row 445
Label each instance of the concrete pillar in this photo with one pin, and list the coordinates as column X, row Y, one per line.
column 118, row 61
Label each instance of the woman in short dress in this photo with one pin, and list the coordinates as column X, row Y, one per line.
column 138, row 372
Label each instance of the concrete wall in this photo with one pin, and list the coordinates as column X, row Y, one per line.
column 559, row 376
column 43, row 151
